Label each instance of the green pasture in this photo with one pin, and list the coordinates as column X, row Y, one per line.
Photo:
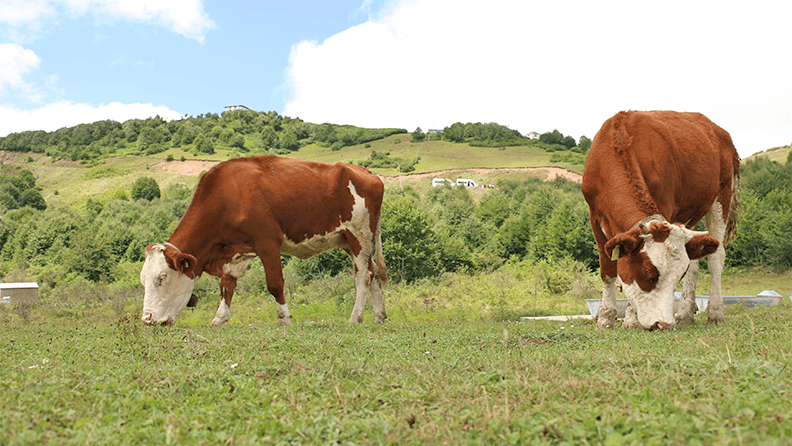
column 451, row 365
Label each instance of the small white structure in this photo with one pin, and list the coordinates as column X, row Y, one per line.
column 18, row 292
column 533, row 135
column 236, row 107
column 466, row 182
column 437, row 182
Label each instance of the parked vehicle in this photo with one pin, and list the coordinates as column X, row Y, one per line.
column 436, row 182
column 466, row 183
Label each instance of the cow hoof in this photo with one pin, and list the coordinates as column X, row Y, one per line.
column 284, row 321
column 685, row 321
column 716, row 320
column 379, row 319
column 605, row 324
column 630, row 324
column 216, row 322
column 356, row 320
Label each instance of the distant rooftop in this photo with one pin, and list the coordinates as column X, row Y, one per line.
column 236, row 107
column 18, row 285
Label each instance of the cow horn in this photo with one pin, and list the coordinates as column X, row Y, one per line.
column 698, row 233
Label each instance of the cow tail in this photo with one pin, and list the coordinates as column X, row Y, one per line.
column 734, row 205
column 379, row 258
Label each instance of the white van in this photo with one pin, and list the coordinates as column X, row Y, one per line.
column 466, row 183
column 442, row 182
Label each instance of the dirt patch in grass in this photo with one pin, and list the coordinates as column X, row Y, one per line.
column 186, row 167
column 195, row 167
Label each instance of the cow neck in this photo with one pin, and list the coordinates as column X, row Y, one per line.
column 186, row 239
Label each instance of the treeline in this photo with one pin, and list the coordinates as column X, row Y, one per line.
column 496, row 135
column 240, row 131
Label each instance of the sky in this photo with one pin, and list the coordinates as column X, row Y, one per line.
column 529, row 65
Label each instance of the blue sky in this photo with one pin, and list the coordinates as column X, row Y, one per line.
column 531, row 65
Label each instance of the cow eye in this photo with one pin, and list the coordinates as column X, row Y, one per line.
column 162, row 279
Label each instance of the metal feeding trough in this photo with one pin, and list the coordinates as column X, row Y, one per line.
column 767, row 298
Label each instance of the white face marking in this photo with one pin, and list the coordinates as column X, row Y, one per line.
column 358, row 225
column 671, row 260
column 166, row 290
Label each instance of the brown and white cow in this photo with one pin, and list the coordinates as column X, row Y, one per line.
column 265, row 206
column 649, row 177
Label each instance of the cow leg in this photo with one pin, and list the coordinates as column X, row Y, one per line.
column 274, row 272
column 687, row 305
column 378, row 301
column 606, row 315
column 362, row 281
column 227, row 287
column 717, row 229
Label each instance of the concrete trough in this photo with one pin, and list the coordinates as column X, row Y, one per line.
column 767, row 298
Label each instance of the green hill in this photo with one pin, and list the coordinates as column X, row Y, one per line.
column 102, row 160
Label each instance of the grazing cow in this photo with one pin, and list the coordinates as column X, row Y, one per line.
column 265, row 206
column 649, row 177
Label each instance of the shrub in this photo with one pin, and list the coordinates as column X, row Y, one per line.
column 145, row 188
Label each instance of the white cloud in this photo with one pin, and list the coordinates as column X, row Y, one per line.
column 185, row 17
column 536, row 66
column 24, row 12
column 15, row 62
column 67, row 114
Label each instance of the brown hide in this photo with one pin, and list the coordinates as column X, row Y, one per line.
column 249, row 205
column 659, row 162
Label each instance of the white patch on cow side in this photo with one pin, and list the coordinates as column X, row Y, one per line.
column 222, row 315
column 166, row 290
column 238, row 265
column 358, row 225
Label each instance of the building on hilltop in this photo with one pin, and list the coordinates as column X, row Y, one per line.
column 236, row 107
column 533, row 135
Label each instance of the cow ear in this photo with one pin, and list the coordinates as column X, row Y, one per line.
column 185, row 263
column 626, row 242
column 193, row 302
column 701, row 246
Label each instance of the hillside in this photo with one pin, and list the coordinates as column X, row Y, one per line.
column 72, row 183
column 778, row 154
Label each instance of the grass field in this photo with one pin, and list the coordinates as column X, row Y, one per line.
column 79, row 370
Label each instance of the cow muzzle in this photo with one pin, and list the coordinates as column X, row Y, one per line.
column 148, row 319
column 660, row 326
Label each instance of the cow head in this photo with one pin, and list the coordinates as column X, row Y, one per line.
column 652, row 258
column 168, row 280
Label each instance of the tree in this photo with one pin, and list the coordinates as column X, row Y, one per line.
column 584, row 144
column 289, row 141
column 145, row 188
column 203, row 144
column 32, row 198
column 418, row 135
column 455, row 133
